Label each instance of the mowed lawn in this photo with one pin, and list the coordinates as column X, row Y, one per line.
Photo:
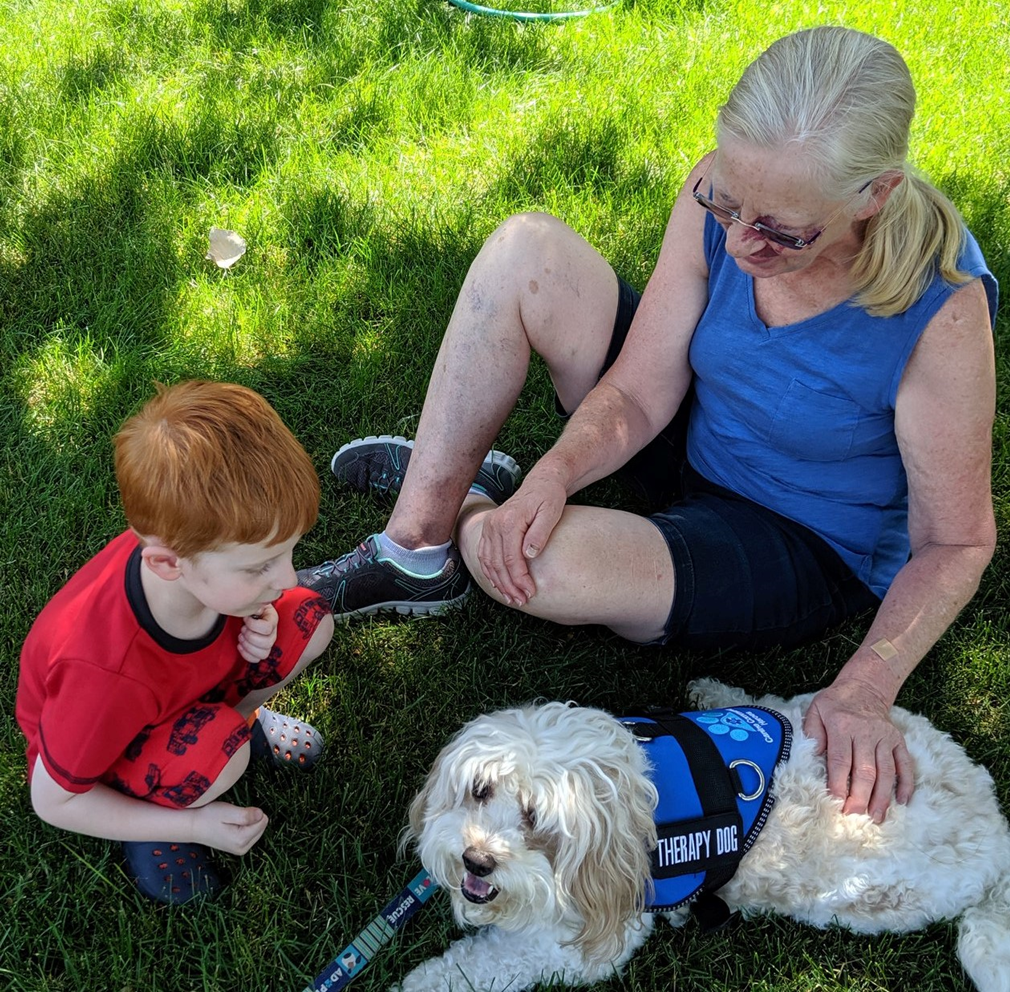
column 365, row 151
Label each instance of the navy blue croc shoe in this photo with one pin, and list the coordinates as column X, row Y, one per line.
column 170, row 873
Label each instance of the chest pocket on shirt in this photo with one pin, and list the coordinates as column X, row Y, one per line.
column 812, row 425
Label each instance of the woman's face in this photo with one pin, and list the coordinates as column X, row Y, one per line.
column 774, row 188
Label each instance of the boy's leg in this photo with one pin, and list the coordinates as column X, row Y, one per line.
column 197, row 757
column 304, row 629
column 230, row 774
column 318, row 643
column 186, row 762
column 198, row 752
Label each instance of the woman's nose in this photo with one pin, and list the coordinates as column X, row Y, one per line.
column 742, row 241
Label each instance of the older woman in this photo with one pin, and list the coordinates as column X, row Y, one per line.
column 807, row 381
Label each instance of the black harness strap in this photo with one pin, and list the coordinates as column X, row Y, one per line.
column 717, row 788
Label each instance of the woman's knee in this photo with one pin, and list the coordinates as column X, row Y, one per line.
column 564, row 293
column 526, row 239
column 543, row 260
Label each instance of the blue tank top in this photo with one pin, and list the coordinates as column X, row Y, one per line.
column 800, row 418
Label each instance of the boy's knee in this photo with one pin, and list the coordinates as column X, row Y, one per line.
column 230, row 774
column 320, row 639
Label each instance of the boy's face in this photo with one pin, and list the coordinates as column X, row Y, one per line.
column 239, row 580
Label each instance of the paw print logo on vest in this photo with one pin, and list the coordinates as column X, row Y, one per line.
column 719, row 722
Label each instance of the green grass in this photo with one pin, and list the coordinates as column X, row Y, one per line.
column 365, row 150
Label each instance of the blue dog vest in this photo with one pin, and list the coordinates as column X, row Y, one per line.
column 713, row 770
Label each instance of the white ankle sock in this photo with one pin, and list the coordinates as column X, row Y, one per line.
column 417, row 561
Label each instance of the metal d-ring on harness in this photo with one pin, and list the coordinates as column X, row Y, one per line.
column 709, row 812
column 759, row 791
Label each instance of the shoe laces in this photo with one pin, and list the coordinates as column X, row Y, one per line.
column 363, row 554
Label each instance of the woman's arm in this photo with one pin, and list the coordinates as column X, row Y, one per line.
column 943, row 422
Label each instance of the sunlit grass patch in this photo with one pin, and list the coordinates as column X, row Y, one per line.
column 364, row 151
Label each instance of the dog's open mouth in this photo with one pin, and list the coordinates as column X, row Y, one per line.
column 476, row 890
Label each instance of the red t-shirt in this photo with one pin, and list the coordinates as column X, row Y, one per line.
column 96, row 668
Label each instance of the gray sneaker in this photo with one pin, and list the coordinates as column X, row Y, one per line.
column 364, row 582
column 380, row 463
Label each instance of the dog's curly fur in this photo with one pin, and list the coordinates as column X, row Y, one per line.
column 538, row 822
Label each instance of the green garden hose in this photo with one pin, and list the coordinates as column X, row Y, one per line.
column 520, row 15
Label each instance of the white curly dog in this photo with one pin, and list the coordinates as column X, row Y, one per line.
column 539, row 823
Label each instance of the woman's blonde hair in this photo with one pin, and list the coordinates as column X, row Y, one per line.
column 848, row 99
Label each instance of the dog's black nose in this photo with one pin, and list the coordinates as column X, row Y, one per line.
column 478, row 863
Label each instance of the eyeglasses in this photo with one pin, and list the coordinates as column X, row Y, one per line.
column 727, row 216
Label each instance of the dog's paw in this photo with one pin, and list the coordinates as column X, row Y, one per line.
column 423, row 980
column 706, row 694
column 677, row 917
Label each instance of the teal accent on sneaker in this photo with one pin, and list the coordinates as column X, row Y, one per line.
column 379, row 463
column 363, row 582
column 497, row 477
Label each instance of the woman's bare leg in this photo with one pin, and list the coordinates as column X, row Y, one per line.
column 600, row 566
column 535, row 285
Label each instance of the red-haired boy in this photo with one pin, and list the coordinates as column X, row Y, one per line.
column 142, row 681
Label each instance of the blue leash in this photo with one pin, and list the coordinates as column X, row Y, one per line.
column 355, row 957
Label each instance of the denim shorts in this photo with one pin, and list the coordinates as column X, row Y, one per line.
column 745, row 576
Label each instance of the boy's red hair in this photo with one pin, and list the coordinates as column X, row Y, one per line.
column 205, row 464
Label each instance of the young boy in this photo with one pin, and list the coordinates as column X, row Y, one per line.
column 142, row 681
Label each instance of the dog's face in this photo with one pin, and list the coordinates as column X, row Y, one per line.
column 540, row 816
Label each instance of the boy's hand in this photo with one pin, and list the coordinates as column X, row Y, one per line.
column 234, row 829
column 257, row 635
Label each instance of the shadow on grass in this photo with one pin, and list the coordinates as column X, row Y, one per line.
column 93, row 255
column 83, row 76
column 987, row 213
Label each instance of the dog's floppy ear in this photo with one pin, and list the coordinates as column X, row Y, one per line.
column 603, row 865
column 415, row 818
column 433, row 793
column 446, row 782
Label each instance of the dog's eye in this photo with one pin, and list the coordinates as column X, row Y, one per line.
column 530, row 817
column 481, row 791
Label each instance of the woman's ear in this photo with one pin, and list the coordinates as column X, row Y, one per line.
column 164, row 562
column 880, row 190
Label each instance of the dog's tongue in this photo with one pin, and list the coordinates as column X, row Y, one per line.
column 476, row 886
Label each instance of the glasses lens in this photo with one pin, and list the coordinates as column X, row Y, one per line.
column 721, row 212
column 785, row 240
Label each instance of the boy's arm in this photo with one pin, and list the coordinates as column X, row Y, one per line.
column 104, row 812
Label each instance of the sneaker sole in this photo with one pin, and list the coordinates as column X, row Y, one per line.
column 372, row 438
column 497, row 458
column 406, row 609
